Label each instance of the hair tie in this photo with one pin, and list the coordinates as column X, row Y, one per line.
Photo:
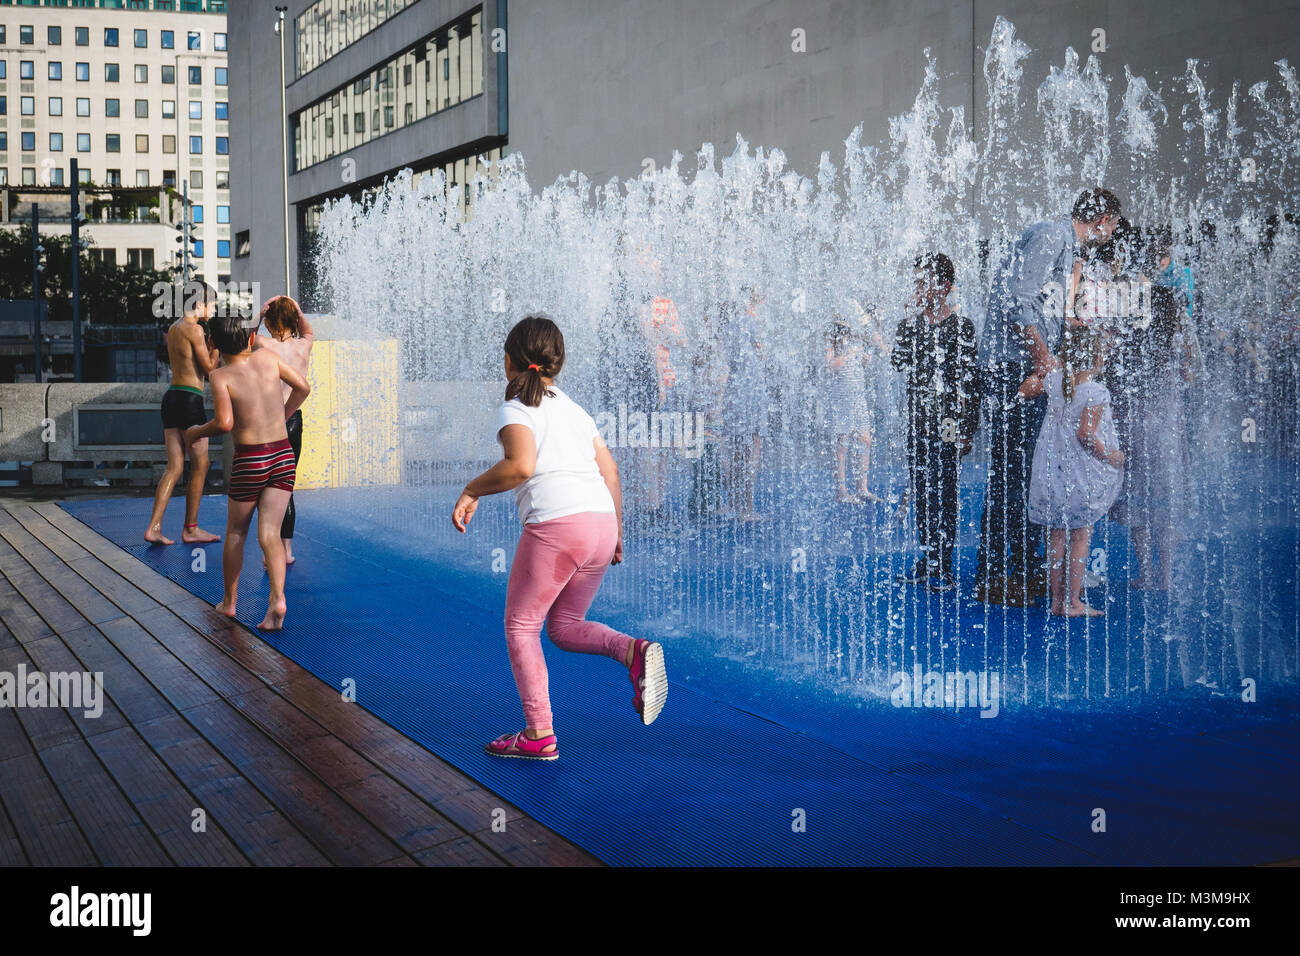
column 535, row 368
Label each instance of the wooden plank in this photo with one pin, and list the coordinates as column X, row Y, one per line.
column 167, row 673
column 43, row 822
column 20, row 621
column 40, row 528
column 112, row 585
column 466, row 851
column 165, row 804
column 50, row 656
column 454, row 795
column 130, row 691
column 232, row 803
column 400, row 861
column 342, row 834
column 528, row 843
column 78, row 593
column 213, row 667
column 107, row 820
column 395, row 811
column 11, row 848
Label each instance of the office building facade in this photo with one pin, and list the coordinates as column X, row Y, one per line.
column 137, row 92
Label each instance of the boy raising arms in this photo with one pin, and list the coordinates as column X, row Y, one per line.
column 247, row 400
column 191, row 358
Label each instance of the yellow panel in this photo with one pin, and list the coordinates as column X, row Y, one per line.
column 350, row 428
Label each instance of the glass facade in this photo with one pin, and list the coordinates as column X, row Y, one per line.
column 438, row 72
column 328, row 26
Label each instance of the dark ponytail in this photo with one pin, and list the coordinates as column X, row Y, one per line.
column 536, row 346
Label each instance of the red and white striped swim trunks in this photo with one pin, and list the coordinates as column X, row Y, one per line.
column 261, row 466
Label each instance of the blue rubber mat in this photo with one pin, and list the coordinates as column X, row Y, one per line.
column 748, row 767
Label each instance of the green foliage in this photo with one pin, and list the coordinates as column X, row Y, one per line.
column 110, row 294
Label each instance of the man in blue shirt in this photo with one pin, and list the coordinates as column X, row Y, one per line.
column 1026, row 312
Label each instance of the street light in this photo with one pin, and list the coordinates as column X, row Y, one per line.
column 284, row 145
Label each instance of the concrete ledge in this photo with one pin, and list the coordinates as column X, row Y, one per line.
column 22, row 411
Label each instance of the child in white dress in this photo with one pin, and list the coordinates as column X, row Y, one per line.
column 1078, row 466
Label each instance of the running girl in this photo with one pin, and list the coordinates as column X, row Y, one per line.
column 571, row 506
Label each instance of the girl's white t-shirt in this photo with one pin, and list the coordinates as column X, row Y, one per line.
column 565, row 480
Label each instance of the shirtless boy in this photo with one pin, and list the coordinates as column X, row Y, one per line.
column 248, row 401
column 191, row 359
column 290, row 336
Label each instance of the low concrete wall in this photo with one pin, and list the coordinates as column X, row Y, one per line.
column 22, row 414
column 64, row 397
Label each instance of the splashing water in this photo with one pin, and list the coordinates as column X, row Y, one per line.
column 731, row 272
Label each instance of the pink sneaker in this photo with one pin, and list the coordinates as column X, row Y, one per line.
column 650, row 680
column 520, row 745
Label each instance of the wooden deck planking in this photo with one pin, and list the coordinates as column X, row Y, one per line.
column 201, row 713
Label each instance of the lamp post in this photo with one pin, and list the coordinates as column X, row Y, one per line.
column 36, row 288
column 76, row 274
column 284, row 146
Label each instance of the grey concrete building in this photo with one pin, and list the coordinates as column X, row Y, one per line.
column 602, row 85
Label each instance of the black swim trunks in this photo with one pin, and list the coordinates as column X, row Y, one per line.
column 182, row 407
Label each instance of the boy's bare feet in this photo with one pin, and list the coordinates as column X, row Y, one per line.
column 1083, row 610
column 222, row 608
column 155, row 536
column 193, row 534
column 274, row 619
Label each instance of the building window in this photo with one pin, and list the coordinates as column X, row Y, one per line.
column 83, row 175
column 196, row 147
column 27, row 105
column 223, row 250
column 141, row 109
column 26, row 70
column 141, row 73
column 29, row 175
column 223, row 214
column 169, row 178
column 110, row 36
column 220, row 75
column 4, row 106
column 83, row 142
column 112, row 107
column 113, row 177
column 198, row 248
column 196, row 76
column 2, row 34
column 83, row 106
column 56, row 106
column 223, row 180
column 112, row 143
column 4, row 143
column 139, row 258
column 142, row 177
column 26, row 36
column 218, row 41
column 223, row 146
column 169, row 109
column 141, row 143
column 4, row 67
column 169, row 74
column 82, row 36
column 168, row 40
column 223, row 110
column 242, row 245
column 54, row 36
column 56, row 175
column 83, row 72
column 141, row 38
column 56, row 142
column 169, row 144
column 196, row 109
column 110, row 72
column 194, row 40
column 54, row 70
column 29, row 142
column 197, row 182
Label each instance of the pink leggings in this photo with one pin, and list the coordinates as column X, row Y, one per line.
column 557, row 570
